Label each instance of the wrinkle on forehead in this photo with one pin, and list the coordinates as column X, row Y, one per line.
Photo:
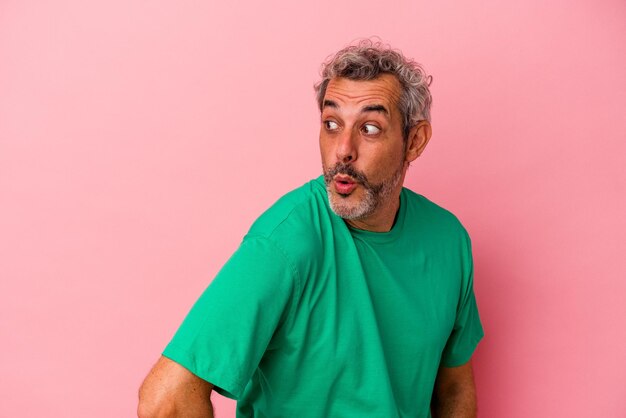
column 385, row 89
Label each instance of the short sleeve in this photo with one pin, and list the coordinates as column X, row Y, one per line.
column 467, row 331
column 227, row 331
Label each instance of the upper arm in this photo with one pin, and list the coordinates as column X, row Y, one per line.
column 229, row 329
column 169, row 386
column 467, row 330
column 451, row 380
column 455, row 393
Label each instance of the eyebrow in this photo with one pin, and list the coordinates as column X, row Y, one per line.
column 375, row 108
column 330, row 103
column 369, row 108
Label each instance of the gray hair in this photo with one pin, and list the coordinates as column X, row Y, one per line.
column 367, row 60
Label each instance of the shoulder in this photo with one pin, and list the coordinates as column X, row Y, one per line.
column 431, row 219
column 295, row 221
column 427, row 210
column 290, row 209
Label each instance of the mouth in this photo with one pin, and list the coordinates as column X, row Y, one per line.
column 344, row 185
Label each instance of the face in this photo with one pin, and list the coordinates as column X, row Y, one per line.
column 364, row 156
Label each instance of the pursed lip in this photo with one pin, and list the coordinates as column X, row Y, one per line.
column 344, row 178
column 344, row 184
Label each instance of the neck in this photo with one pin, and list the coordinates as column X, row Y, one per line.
column 382, row 219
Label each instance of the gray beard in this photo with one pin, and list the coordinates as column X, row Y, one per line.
column 374, row 194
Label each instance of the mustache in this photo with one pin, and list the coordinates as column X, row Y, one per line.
column 347, row 170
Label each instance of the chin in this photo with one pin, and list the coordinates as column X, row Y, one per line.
column 351, row 207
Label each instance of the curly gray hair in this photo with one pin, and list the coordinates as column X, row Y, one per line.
column 367, row 60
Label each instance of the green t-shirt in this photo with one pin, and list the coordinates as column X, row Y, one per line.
column 312, row 318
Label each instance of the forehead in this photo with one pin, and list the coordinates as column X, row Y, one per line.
column 384, row 89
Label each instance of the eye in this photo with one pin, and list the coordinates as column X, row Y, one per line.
column 369, row 129
column 331, row 125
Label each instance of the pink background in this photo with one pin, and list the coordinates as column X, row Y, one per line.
column 140, row 139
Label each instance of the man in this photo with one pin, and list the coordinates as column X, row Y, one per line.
column 351, row 296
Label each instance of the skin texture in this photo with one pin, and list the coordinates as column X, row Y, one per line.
column 455, row 393
column 170, row 390
column 361, row 127
column 370, row 141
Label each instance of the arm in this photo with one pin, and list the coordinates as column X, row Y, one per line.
column 454, row 395
column 171, row 391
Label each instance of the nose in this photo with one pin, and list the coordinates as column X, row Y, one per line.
column 346, row 147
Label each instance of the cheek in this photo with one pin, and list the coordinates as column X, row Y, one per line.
column 382, row 158
column 326, row 152
column 385, row 164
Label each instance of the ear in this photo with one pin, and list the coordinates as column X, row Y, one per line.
column 417, row 140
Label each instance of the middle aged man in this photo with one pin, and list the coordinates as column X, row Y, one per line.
column 351, row 296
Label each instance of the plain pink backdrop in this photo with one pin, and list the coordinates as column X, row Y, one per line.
column 140, row 139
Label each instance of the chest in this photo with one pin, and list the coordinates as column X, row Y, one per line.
column 381, row 303
column 414, row 296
